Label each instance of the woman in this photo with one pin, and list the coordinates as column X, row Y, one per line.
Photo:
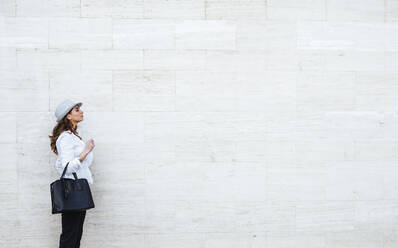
column 69, row 146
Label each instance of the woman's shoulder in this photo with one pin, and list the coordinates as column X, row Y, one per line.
column 64, row 134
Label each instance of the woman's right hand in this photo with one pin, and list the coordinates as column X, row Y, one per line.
column 88, row 148
column 89, row 145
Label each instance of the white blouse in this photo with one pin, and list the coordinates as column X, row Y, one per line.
column 69, row 147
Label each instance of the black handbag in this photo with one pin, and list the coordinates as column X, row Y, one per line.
column 70, row 195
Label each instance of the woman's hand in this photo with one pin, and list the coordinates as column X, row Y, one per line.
column 89, row 145
column 87, row 149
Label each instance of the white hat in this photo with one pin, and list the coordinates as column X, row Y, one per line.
column 64, row 107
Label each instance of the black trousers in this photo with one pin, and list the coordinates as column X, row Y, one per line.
column 72, row 229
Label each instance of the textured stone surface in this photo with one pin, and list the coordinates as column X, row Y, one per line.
column 218, row 123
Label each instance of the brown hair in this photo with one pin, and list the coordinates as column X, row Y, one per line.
column 63, row 125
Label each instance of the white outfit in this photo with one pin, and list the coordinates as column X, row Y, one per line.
column 69, row 147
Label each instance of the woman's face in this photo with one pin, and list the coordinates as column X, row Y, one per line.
column 76, row 114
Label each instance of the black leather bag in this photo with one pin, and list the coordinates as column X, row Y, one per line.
column 70, row 195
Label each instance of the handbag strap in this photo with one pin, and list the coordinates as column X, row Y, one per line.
column 63, row 173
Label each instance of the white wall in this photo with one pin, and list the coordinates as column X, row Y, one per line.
column 218, row 123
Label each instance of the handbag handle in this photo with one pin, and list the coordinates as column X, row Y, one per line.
column 63, row 173
column 66, row 189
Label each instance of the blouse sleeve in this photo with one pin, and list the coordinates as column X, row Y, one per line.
column 88, row 160
column 66, row 153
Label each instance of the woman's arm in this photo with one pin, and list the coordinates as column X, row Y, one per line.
column 87, row 160
column 86, row 156
column 66, row 153
column 83, row 155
